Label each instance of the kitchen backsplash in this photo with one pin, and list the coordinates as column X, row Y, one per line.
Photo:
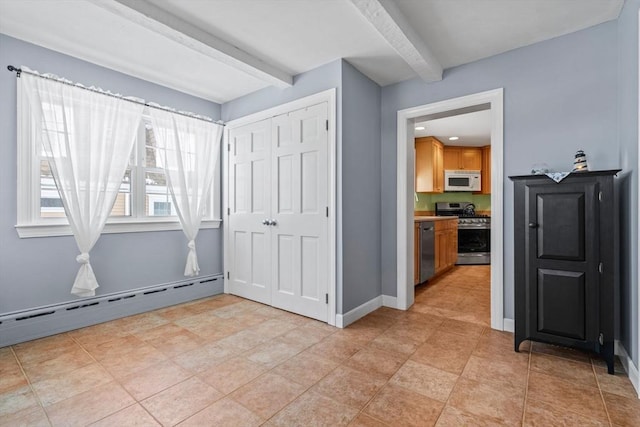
column 427, row 201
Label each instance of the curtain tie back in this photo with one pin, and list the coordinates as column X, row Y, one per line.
column 83, row 258
column 192, row 244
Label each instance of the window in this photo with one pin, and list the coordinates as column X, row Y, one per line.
column 143, row 202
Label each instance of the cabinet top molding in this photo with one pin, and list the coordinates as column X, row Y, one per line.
column 572, row 175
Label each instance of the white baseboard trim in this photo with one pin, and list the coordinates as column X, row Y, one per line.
column 389, row 301
column 627, row 363
column 508, row 325
column 344, row 320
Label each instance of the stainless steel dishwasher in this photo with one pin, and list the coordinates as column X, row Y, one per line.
column 427, row 251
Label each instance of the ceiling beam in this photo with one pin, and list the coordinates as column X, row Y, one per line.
column 151, row 17
column 386, row 17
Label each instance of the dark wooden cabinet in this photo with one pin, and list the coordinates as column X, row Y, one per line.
column 566, row 261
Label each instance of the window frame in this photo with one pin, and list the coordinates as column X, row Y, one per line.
column 31, row 224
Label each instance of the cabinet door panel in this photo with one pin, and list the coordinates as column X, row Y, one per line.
column 561, row 226
column 561, row 303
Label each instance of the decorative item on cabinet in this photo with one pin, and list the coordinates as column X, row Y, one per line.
column 566, row 261
column 462, row 158
column 429, row 165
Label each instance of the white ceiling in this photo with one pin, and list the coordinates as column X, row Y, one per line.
column 472, row 129
column 223, row 49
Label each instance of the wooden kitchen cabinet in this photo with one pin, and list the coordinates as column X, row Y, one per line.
column 462, row 158
column 485, row 179
column 429, row 165
column 566, row 261
column 446, row 244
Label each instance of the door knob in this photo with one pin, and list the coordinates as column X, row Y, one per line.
column 533, row 225
column 266, row 222
column 273, row 222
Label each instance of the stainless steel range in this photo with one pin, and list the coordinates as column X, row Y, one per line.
column 474, row 232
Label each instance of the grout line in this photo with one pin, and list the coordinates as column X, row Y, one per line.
column 604, row 403
column 26, row 377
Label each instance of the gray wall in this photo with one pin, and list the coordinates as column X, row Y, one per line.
column 40, row 271
column 361, row 176
column 628, row 135
column 559, row 96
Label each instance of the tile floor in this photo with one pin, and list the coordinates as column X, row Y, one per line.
column 225, row 361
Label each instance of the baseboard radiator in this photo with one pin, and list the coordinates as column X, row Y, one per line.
column 25, row 325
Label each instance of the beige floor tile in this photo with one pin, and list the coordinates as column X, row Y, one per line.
column 306, row 368
column 205, row 357
column 426, row 380
column 371, row 359
column 312, row 409
column 274, row 352
column 32, row 417
column 132, row 416
column 350, row 386
column 177, row 342
column 67, row 385
column 616, row 384
column 233, row 373
column 488, row 400
column 17, row 399
column 243, row 340
column 622, row 410
column 42, row 349
column 140, row 322
column 114, row 347
column 225, row 412
column 89, row 406
column 181, row 401
column 462, row 328
column 446, row 351
column 97, row 334
column 496, row 371
column 267, row 394
column 273, row 328
column 147, row 382
column 363, row 420
column 11, row 375
column 454, row 417
column 140, row 358
column 335, row 348
column 304, row 336
column 398, row 406
column 543, row 415
column 576, row 372
column 566, row 395
column 391, row 342
column 76, row 357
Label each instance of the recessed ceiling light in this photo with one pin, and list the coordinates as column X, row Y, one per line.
column 453, row 138
column 419, row 127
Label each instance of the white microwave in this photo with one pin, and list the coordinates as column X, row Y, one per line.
column 461, row 180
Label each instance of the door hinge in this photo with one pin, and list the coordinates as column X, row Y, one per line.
column 600, row 196
column 326, row 298
column 326, row 124
column 228, row 211
column 327, row 212
column 600, row 268
column 228, row 275
column 228, row 147
column 601, row 339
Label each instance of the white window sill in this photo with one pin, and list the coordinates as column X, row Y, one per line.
column 52, row 230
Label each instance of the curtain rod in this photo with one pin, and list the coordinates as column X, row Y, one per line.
column 19, row 71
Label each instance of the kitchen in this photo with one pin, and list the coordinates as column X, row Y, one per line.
column 452, row 214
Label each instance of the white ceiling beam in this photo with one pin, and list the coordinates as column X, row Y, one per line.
column 393, row 26
column 146, row 14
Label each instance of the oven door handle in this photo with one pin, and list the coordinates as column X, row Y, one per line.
column 463, row 226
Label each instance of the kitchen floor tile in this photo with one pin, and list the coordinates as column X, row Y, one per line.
column 312, row 409
column 426, row 380
column 488, row 400
column 267, row 394
column 350, row 386
column 398, row 406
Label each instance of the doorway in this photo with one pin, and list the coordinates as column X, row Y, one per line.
column 405, row 196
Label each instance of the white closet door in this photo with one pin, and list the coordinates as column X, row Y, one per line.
column 250, row 204
column 299, row 200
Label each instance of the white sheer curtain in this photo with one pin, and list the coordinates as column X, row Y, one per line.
column 189, row 150
column 88, row 137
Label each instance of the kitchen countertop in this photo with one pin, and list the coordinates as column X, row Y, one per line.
column 433, row 218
